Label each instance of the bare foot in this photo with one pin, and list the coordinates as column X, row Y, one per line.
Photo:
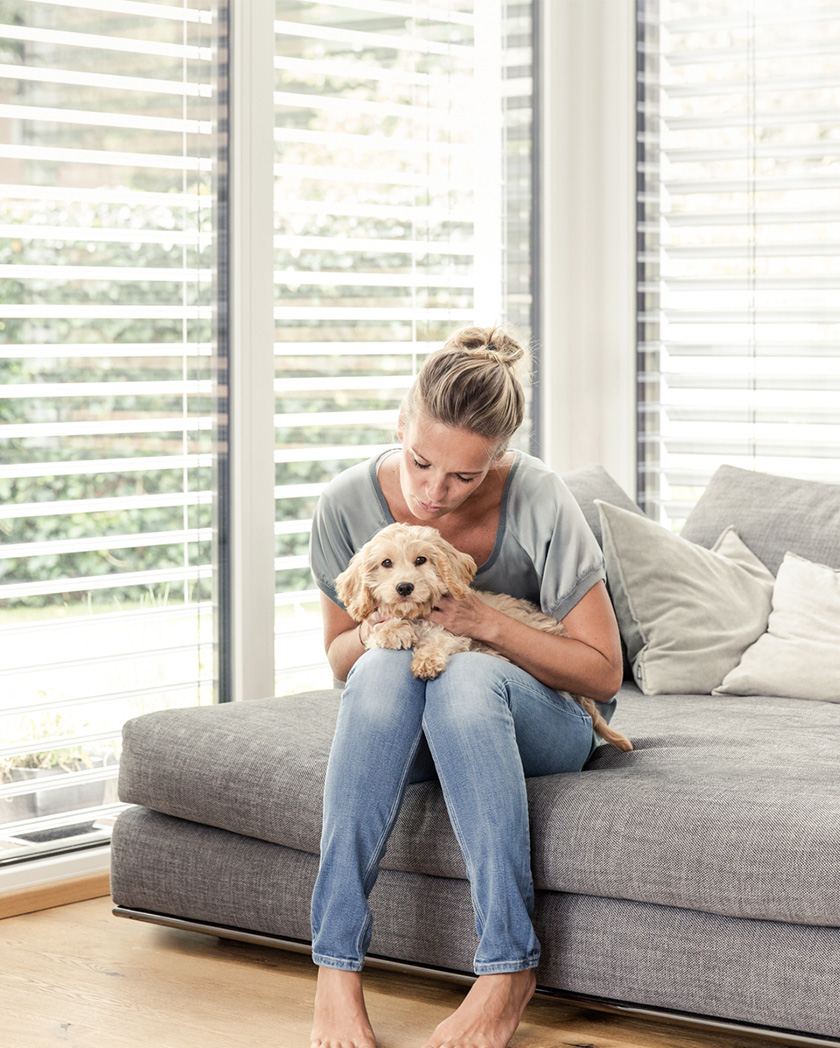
column 341, row 1019
column 489, row 1014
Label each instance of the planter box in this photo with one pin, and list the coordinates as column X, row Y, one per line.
column 42, row 802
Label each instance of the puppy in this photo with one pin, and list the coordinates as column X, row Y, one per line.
column 403, row 571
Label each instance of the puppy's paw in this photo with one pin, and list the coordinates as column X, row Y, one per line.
column 395, row 634
column 428, row 663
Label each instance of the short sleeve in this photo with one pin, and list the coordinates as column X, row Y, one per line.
column 350, row 511
column 574, row 562
column 330, row 547
column 549, row 554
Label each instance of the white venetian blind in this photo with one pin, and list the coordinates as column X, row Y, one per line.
column 402, row 213
column 107, row 392
column 739, row 242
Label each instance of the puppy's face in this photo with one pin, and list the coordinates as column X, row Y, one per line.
column 404, row 571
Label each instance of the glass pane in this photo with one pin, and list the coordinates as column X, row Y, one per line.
column 403, row 212
column 108, row 386
column 739, row 234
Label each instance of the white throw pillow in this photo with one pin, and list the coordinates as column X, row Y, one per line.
column 799, row 655
column 686, row 613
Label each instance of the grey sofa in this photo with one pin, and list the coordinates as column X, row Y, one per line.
column 697, row 875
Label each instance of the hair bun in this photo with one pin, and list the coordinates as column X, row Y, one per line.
column 472, row 383
column 492, row 344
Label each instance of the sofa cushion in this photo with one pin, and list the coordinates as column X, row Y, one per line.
column 722, row 806
column 772, row 514
column 686, row 613
column 799, row 655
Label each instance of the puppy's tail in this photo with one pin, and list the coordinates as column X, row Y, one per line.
column 610, row 735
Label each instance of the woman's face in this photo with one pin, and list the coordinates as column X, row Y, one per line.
column 441, row 467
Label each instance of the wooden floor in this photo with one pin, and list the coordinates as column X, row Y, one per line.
column 76, row 975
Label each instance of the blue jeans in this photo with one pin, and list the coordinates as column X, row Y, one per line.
column 488, row 725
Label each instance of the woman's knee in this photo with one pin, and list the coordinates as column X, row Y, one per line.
column 380, row 685
column 380, row 666
column 471, row 687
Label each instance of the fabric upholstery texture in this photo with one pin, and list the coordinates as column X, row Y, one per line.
column 799, row 655
column 750, row 971
column 773, row 515
column 593, row 483
column 686, row 613
column 684, row 820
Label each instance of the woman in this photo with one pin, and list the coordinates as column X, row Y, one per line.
column 484, row 724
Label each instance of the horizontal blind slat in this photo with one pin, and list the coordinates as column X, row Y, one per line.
column 116, row 580
column 106, row 657
column 172, row 686
column 118, row 44
column 58, row 547
column 90, row 428
column 105, row 81
column 68, row 155
column 373, row 245
column 64, row 507
column 139, row 9
column 358, row 40
column 173, row 238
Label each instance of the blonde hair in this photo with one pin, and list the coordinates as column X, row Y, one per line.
column 472, row 383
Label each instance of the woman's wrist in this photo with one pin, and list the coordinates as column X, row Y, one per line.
column 359, row 635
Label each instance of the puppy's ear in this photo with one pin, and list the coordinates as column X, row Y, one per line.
column 457, row 570
column 353, row 592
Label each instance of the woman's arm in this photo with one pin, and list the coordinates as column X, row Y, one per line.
column 345, row 640
column 342, row 642
column 587, row 662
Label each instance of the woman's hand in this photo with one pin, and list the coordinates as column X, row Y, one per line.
column 586, row 662
column 465, row 618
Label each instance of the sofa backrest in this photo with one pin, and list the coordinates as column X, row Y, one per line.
column 772, row 514
column 591, row 483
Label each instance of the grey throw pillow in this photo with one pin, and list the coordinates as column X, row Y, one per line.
column 772, row 514
column 686, row 613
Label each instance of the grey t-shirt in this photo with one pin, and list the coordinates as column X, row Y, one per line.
column 544, row 549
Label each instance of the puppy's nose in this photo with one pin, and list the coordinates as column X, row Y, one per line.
column 405, row 589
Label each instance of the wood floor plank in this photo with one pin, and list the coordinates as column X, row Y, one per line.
column 75, row 975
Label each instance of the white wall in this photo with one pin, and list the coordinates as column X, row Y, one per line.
column 588, row 235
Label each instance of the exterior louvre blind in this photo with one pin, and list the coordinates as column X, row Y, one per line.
column 107, row 393
column 403, row 212
column 739, row 243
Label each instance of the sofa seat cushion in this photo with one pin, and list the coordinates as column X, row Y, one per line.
column 727, row 805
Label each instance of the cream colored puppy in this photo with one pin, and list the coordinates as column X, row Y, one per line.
column 401, row 573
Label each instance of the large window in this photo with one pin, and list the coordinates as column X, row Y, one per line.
column 403, row 205
column 108, row 377
column 403, row 209
column 739, row 243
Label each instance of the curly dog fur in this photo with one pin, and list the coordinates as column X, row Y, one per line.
column 403, row 571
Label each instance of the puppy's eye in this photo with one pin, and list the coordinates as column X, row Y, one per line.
column 419, row 561
column 387, row 564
